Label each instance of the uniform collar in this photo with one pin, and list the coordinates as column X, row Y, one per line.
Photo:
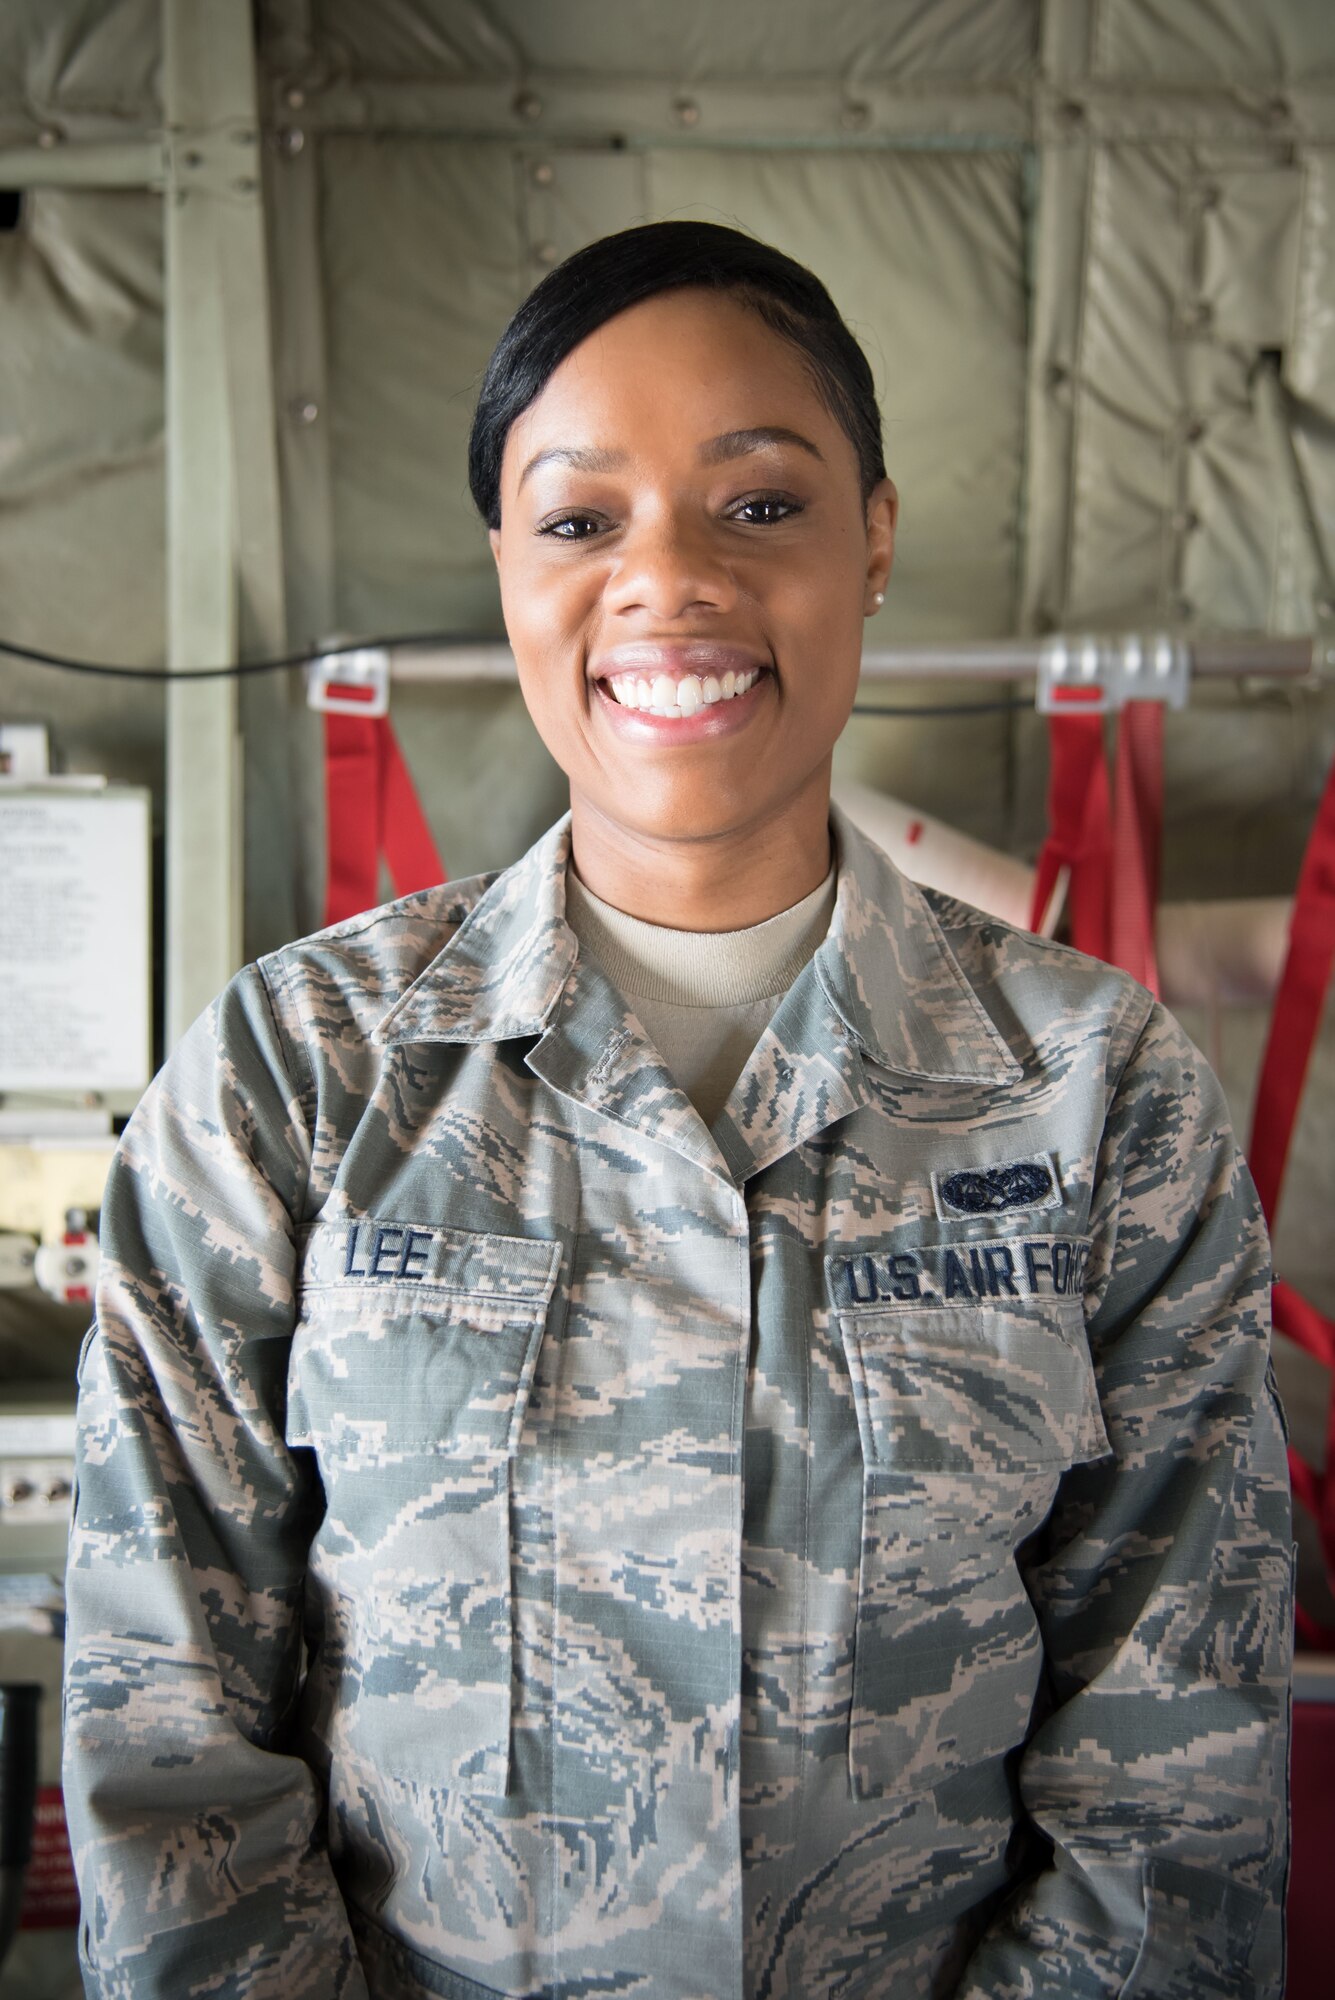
column 888, row 971
column 885, row 967
column 503, row 972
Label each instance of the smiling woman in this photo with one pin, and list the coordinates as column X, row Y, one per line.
column 688, row 1419
column 690, row 516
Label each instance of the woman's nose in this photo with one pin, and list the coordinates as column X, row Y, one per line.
column 668, row 568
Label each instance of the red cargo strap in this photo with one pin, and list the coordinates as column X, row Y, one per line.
column 1079, row 838
column 371, row 808
column 1298, row 1007
column 1293, row 1031
column 1108, row 843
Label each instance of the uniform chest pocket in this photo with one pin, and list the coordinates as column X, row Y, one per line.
column 967, row 1418
column 410, row 1376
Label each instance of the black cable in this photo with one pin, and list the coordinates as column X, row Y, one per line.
column 234, row 672
column 37, row 657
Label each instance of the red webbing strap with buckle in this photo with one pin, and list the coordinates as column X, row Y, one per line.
column 1294, row 1025
column 371, row 808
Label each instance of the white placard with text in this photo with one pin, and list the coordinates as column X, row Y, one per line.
column 75, row 939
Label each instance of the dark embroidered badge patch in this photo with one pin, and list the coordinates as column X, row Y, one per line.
column 1018, row 1184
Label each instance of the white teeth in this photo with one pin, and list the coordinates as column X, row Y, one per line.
column 677, row 699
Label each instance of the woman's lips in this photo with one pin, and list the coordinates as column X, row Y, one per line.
column 663, row 695
column 684, row 723
column 678, row 692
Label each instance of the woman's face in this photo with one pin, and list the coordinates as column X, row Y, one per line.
column 682, row 529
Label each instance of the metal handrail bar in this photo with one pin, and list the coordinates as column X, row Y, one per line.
column 1212, row 657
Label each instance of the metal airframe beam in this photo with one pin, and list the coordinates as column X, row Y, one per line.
column 116, row 163
column 220, row 472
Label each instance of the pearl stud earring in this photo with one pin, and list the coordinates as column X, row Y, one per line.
column 878, row 599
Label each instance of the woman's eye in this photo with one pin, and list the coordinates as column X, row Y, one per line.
column 763, row 509
column 570, row 527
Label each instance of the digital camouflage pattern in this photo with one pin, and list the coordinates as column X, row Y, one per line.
column 842, row 1554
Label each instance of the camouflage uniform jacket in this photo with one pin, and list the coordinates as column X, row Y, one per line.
column 845, row 1553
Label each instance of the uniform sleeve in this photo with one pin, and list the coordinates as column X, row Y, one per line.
column 1162, row 1583
column 198, row 1835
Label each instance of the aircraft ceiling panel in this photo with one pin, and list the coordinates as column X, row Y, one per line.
column 81, row 467
column 422, row 259
column 693, row 41
column 1254, row 43
column 94, row 59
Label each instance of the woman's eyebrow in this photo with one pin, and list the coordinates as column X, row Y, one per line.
column 736, row 444
column 584, row 458
column 715, row 451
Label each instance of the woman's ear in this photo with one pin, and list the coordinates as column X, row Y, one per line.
column 494, row 537
column 882, row 517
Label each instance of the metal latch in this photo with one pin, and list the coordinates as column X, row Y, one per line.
column 1094, row 676
column 351, row 683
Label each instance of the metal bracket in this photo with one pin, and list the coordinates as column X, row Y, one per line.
column 222, row 160
column 351, row 683
column 1095, row 676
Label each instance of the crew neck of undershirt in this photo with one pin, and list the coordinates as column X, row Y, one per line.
column 699, row 968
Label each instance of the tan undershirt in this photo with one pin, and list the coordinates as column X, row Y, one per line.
column 704, row 998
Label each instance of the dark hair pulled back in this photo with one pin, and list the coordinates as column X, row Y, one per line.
column 618, row 271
